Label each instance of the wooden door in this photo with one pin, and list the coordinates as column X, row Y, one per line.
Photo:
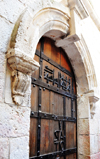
column 53, row 105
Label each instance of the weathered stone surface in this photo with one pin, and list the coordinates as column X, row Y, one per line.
column 19, row 148
column 4, row 148
column 5, row 33
column 94, row 146
column 14, row 121
column 9, row 10
column 84, row 144
column 94, row 129
column 95, row 156
column 2, row 75
column 83, row 126
column 83, row 157
column 8, row 93
column 83, row 107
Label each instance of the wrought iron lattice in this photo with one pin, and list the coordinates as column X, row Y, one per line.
column 60, row 81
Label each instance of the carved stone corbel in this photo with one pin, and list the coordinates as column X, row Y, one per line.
column 93, row 98
column 22, row 67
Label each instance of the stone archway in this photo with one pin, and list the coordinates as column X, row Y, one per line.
column 27, row 31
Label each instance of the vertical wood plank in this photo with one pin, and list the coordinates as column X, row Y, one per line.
column 45, row 101
column 44, row 144
column 68, row 107
column 55, row 53
column 51, row 102
column 51, row 139
column 47, row 47
column 71, row 135
column 34, row 98
column 33, row 137
column 64, row 61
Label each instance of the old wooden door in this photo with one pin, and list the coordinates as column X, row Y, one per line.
column 53, row 105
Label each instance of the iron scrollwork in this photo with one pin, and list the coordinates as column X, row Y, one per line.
column 60, row 81
column 59, row 139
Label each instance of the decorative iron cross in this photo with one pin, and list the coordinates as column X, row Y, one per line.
column 59, row 137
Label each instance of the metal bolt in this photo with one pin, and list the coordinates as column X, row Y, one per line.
column 39, row 105
column 40, row 88
column 41, row 60
column 48, row 59
column 34, row 79
column 39, row 126
column 44, row 89
column 40, row 76
column 32, row 113
column 34, row 85
column 48, row 85
column 45, row 115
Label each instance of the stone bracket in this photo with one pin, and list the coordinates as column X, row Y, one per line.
column 22, row 67
column 93, row 98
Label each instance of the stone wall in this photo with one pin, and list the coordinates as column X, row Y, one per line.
column 15, row 119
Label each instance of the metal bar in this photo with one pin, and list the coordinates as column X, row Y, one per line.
column 72, row 100
column 44, row 57
column 52, row 117
column 53, row 155
column 39, row 102
column 52, row 88
column 64, row 123
column 76, row 128
column 72, row 108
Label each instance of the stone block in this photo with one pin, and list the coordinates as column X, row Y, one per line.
column 5, row 33
column 4, row 148
column 14, row 121
column 83, row 157
column 35, row 5
column 19, row 148
column 2, row 75
column 83, row 126
column 11, row 10
column 94, row 126
column 84, row 145
column 83, row 107
column 95, row 156
column 94, row 144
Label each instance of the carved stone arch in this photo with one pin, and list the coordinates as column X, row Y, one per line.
column 29, row 28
